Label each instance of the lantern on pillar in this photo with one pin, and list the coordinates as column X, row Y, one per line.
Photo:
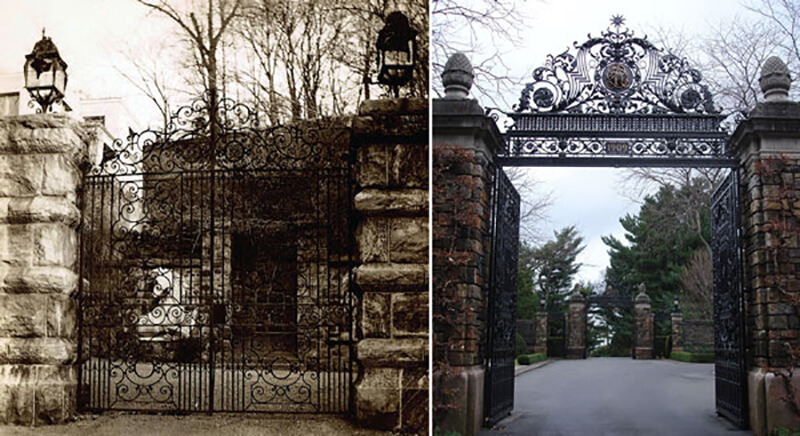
column 45, row 74
column 397, row 52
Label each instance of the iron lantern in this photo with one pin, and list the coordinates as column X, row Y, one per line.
column 45, row 74
column 397, row 52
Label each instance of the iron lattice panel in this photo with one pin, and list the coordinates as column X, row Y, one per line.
column 729, row 341
column 502, row 300
column 217, row 286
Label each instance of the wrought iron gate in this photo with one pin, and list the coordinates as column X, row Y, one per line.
column 729, row 341
column 216, row 262
column 502, row 299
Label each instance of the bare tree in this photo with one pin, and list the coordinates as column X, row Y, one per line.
column 534, row 204
column 697, row 281
column 477, row 28
column 204, row 36
column 784, row 18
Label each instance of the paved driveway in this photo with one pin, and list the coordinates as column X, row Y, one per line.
column 615, row 396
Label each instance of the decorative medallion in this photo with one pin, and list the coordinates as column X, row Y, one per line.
column 616, row 73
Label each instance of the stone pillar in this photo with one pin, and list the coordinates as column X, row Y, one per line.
column 464, row 147
column 643, row 327
column 677, row 326
column 392, row 237
column 540, row 345
column 40, row 161
column 576, row 326
column 767, row 145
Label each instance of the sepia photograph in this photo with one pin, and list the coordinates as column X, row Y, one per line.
column 214, row 217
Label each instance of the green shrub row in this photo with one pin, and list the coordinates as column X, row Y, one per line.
column 685, row 356
column 530, row 359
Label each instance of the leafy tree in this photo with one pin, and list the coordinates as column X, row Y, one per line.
column 555, row 264
column 660, row 242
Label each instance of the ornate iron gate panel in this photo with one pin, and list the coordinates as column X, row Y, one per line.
column 729, row 341
column 215, row 266
column 502, row 300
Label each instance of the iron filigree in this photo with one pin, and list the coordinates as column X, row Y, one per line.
column 616, row 73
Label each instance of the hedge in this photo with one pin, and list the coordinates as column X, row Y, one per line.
column 530, row 359
column 685, row 356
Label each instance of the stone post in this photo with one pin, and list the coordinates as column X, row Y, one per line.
column 677, row 326
column 767, row 145
column 576, row 326
column 540, row 345
column 40, row 175
column 391, row 137
column 643, row 327
column 464, row 146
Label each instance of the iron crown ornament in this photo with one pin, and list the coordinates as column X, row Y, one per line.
column 616, row 73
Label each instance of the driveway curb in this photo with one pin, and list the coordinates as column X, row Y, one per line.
column 522, row 369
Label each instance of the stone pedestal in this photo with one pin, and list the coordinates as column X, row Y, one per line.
column 643, row 327
column 40, row 173
column 677, row 331
column 464, row 144
column 576, row 326
column 392, row 238
column 541, row 333
column 767, row 144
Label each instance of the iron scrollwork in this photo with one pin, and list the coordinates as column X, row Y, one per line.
column 616, row 73
column 216, row 264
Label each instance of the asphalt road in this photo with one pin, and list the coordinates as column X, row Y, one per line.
column 615, row 396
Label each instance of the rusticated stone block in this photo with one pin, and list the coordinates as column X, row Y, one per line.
column 373, row 166
column 397, row 202
column 61, row 176
column 44, row 351
column 414, row 405
column 20, row 175
column 373, row 239
column 25, row 210
column 391, row 276
column 37, row 315
column 54, row 245
column 395, row 352
column 16, row 245
column 378, row 398
column 53, row 279
column 23, row 315
column 50, row 133
column 408, row 240
column 37, row 394
column 410, row 314
column 393, row 106
column 408, row 166
column 376, row 322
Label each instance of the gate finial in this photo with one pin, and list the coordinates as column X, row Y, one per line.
column 457, row 77
column 775, row 80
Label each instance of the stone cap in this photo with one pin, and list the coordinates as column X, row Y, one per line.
column 576, row 297
column 775, row 80
column 457, row 77
column 642, row 298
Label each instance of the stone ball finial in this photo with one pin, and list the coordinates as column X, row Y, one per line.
column 457, row 77
column 775, row 80
column 642, row 298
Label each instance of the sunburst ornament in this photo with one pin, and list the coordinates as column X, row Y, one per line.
column 617, row 20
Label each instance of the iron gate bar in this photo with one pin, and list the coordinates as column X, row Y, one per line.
column 730, row 365
column 502, row 297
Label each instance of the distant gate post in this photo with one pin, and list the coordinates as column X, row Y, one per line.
column 540, row 346
column 767, row 144
column 40, row 161
column 576, row 326
column 464, row 145
column 677, row 327
column 391, row 138
column 643, row 327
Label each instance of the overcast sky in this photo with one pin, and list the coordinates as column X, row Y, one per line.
column 594, row 199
